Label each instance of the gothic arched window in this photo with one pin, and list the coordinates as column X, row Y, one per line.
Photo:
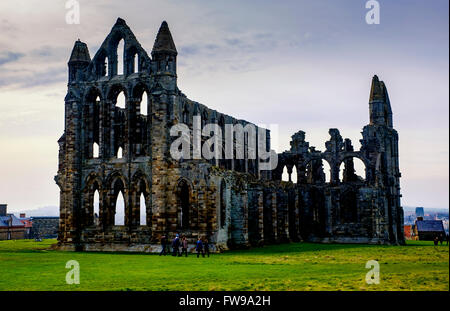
column 184, row 194
column 119, row 203
column 120, row 56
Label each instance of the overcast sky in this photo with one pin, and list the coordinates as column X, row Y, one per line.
column 300, row 64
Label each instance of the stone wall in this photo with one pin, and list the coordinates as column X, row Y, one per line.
column 12, row 234
column 45, row 227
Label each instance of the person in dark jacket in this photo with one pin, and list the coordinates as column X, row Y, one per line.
column 206, row 246
column 176, row 246
column 436, row 240
column 199, row 247
column 184, row 246
column 163, row 245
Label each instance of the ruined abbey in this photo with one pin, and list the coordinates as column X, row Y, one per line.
column 110, row 150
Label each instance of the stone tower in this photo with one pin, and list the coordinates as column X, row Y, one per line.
column 380, row 144
column 352, row 208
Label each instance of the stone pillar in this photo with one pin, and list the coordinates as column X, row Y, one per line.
column 71, row 208
column 211, row 205
column 282, row 213
column 109, row 129
column 289, row 171
column 103, row 124
column 202, row 208
column 135, row 207
column 244, row 199
column 297, row 215
column 334, row 172
column 132, row 129
column 274, row 216
column 328, row 211
column 161, row 211
column 239, row 218
column 261, row 216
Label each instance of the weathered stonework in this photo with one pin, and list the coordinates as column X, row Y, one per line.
column 45, row 227
column 232, row 202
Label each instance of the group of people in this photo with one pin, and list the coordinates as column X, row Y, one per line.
column 202, row 246
column 440, row 239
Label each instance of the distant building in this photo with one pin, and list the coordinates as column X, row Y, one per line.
column 427, row 230
column 28, row 225
column 420, row 212
column 11, row 228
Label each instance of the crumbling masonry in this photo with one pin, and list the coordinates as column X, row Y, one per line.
column 232, row 202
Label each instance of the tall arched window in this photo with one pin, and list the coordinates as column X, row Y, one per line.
column 96, row 207
column 294, row 174
column 120, row 101
column 144, row 104
column 95, row 150
column 184, row 204
column 285, row 175
column 119, row 153
column 120, row 53
column 142, row 211
column 105, row 70
column 136, row 63
column 94, row 126
column 119, row 218
column 326, row 171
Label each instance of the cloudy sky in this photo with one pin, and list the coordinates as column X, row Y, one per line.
column 299, row 64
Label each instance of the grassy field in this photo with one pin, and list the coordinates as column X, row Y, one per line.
column 29, row 265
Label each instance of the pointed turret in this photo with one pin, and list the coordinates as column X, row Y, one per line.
column 164, row 41
column 120, row 22
column 164, row 53
column 379, row 104
column 80, row 53
column 378, row 90
column 79, row 59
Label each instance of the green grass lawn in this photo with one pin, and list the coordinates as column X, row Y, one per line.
column 29, row 265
